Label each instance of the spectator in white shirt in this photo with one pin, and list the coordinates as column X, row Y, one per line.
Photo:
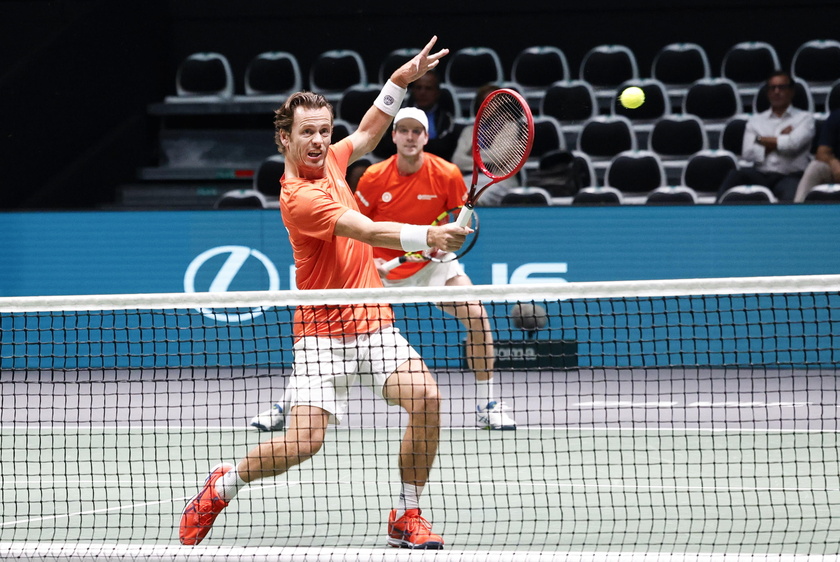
column 777, row 141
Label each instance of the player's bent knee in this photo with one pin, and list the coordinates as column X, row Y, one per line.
column 309, row 449
column 306, row 443
column 428, row 401
column 420, row 398
column 305, row 436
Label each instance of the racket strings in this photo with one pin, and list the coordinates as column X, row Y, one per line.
column 502, row 135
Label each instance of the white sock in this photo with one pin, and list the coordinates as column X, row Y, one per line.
column 229, row 484
column 484, row 392
column 409, row 498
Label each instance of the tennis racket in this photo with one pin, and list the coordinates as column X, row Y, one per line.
column 502, row 139
column 445, row 217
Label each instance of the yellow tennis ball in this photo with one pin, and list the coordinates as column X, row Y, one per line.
column 632, row 97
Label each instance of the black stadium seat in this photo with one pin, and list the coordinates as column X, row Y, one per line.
column 672, row 195
column 607, row 66
column 678, row 136
column 273, row 74
column 203, row 77
column 706, row 170
column 678, row 65
column 635, row 171
column 824, row 193
column 748, row 64
column 601, row 195
column 535, row 69
column 817, row 62
column 355, row 102
column 603, row 137
column 747, row 194
column 336, row 70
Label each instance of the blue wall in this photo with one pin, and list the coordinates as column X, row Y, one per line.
column 149, row 252
column 145, row 252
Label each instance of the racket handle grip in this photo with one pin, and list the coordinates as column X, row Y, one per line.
column 464, row 216
column 389, row 265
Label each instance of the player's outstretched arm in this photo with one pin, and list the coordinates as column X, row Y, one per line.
column 398, row 236
column 378, row 118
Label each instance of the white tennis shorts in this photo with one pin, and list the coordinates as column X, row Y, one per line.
column 326, row 368
column 435, row 274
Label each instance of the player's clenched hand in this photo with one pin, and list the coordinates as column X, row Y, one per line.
column 447, row 237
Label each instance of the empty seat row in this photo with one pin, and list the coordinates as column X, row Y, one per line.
column 270, row 76
column 714, row 100
column 712, row 119
column 655, row 126
column 534, row 69
column 663, row 195
column 571, row 104
column 641, row 171
column 673, row 138
column 607, row 67
column 684, row 195
column 677, row 66
column 632, row 179
column 674, row 142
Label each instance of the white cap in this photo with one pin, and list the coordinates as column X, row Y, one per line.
column 412, row 113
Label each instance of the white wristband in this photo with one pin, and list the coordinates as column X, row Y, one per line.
column 413, row 237
column 390, row 98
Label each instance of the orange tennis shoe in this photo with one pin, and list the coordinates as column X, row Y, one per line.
column 201, row 511
column 412, row 531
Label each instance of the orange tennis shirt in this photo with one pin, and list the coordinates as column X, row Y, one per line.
column 385, row 195
column 310, row 210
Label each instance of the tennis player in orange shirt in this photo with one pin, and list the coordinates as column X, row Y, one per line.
column 331, row 242
column 416, row 186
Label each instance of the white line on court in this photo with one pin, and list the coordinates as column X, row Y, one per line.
column 698, row 404
column 598, row 485
column 99, row 551
column 519, row 428
column 87, row 512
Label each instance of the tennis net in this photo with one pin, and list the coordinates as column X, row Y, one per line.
column 677, row 419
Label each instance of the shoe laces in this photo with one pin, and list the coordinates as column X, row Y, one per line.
column 496, row 406
column 413, row 521
column 207, row 508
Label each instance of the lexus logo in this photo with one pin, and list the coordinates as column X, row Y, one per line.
column 237, row 257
